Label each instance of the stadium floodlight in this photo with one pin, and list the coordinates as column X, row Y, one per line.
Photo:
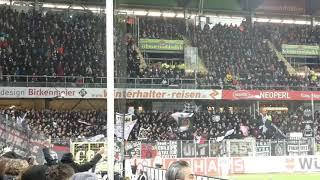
column 179, row 15
column 140, row 12
column 316, row 23
column 261, row 19
column 276, row 108
column 76, row 7
column 302, row 22
column 154, row 13
column 238, row 17
column 125, row 11
column 62, row 6
column 58, row 6
column 49, row 5
column 203, row 18
column 94, row 9
column 288, row 21
column 192, row 16
column 168, row 14
column 7, row 2
column 275, row 20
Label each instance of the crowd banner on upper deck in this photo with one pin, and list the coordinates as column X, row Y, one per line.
column 300, row 50
column 283, row 6
column 161, row 44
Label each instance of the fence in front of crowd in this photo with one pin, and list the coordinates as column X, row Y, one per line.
column 85, row 150
column 19, row 139
column 19, row 135
column 159, row 174
column 227, row 148
column 237, row 157
column 120, row 82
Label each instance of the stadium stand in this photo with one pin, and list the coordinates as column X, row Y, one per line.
column 153, row 126
column 56, row 49
column 51, row 44
column 60, row 126
column 161, row 28
column 239, row 57
column 236, row 57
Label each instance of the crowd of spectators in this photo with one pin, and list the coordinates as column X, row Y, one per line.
column 156, row 126
column 239, row 56
column 59, row 125
column 59, row 44
column 51, row 44
column 290, row 33
column 63, row 125
column 164, row 73
column 15, row 166
column 161, row 28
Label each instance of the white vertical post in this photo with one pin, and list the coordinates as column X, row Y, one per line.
column 312, row 106
column 110, row 86
column 254, row 110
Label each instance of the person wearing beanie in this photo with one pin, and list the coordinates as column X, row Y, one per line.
column 67, row 158
column 84, row 176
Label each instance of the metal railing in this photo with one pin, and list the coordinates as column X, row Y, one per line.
column 20, row 139
column 227, row 148
column 10, row 124
column 159, row 174
column 123, row 82
column 92, row 82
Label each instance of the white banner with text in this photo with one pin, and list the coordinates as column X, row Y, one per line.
column 217, row 166
column 101, row 93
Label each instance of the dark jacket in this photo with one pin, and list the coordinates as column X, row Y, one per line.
column 67, row 158
column 48, row 158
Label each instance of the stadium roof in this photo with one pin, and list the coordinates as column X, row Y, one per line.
column 232, row 5
column 293, row 7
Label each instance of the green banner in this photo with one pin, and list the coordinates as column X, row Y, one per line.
column 161, row 44
column 300, row 50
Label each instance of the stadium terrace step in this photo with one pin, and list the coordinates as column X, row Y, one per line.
column 290, row 69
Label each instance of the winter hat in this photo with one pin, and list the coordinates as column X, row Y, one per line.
column 67, row 158
column 84, row 176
